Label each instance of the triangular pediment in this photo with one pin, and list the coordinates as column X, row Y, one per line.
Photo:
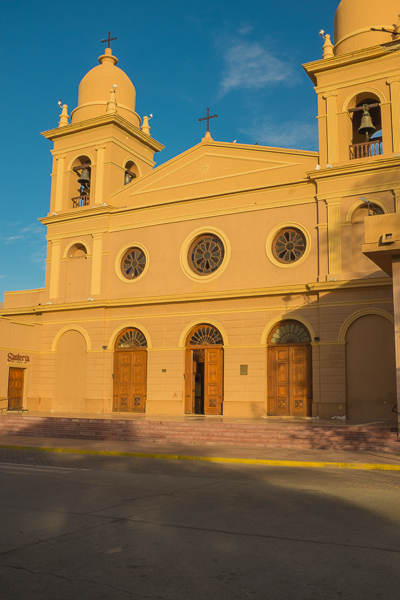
column 213, row 169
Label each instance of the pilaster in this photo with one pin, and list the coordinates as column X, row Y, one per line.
column 55, row 267
column 58, row 204
column 394, row 85
column 334, row 237
column 331, row 127
column 96, row 263
column 100, row 174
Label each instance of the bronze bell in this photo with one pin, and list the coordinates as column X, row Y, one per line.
column 128, row 177
column 84, row 178
column 367, row 127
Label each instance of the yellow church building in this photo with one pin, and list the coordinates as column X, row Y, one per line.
column 231, row 279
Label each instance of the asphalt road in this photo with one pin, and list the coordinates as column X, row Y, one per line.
column 93, row 527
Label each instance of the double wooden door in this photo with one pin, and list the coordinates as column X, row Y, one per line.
column 212, row 381
column 289, row 380
column 130, row 379
column 15, row 388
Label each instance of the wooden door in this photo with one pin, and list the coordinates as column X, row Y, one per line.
column 213, row 381
column 15, row 388
column 289, row 380
column 190, row 382
column 130, row 378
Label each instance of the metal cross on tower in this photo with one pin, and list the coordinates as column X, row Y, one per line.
column 207, row 118
column 109, row 39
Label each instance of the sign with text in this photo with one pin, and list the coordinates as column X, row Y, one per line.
column 21, row 358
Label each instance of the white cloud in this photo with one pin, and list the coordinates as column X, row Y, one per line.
column 290, row 134
column 250, row 66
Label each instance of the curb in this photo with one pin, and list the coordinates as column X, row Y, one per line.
column 213, row 459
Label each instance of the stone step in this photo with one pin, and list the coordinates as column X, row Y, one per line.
column 257, row 435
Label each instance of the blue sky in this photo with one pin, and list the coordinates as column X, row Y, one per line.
column 242, row 59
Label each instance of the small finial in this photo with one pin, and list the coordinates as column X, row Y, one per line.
column 63, row 116
column 145, row 125
column 327, row 47
column 112, row 104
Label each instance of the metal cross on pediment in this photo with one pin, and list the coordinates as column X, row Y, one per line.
column 109, row 39
column 207, row 118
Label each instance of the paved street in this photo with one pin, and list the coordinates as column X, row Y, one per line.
column 79, row 526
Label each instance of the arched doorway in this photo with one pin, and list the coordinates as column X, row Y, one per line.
column 370, row 369
column 289, row 370
column 130, row 372
column 204, row 369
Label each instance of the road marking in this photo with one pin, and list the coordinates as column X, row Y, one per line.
column 213, row 459
column 17, row 468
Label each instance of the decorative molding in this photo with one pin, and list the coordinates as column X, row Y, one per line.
column 362, row 313
column 203, row 321
column 128, row 324
column 71, row 328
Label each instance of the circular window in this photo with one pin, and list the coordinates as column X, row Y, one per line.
column 133, row 263
column 288, row 245
column 206, row 254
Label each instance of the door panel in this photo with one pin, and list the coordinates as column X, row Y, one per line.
column 289, row 381
column 15, row 387
column 189, row 383
column 213, row 380
column 130, row 381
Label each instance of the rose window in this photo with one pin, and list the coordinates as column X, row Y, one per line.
column 289, row 245
column 133, row 263
column 206, row 254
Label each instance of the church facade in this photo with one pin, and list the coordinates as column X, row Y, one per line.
column 229, row 280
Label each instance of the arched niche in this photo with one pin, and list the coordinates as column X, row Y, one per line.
column 370, row 369
column 77, row 277
column 70, row 372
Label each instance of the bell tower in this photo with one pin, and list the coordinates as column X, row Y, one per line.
column 358, row 84
column 104, row 147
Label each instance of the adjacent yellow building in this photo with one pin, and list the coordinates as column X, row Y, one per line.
column 231, row 279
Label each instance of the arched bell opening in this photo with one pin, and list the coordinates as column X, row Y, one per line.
column 81, row 182
column 289, row 370
column 131, row 172
column 366, row 122
column 130, row 372
column 204, row 371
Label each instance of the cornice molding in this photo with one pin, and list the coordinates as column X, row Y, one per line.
column 115, row 119
column 309, row 288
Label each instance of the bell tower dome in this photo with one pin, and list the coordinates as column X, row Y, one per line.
column 354, row 20
column 95, row 88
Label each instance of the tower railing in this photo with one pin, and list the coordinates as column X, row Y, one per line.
column 80, row 201
column 371, row 148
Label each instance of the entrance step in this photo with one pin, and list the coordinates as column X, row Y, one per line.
column 265, row 434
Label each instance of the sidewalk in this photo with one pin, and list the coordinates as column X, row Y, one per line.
column 377, row 460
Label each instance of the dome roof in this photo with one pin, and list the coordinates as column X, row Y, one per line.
column 96, row 86
column 354, row 19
